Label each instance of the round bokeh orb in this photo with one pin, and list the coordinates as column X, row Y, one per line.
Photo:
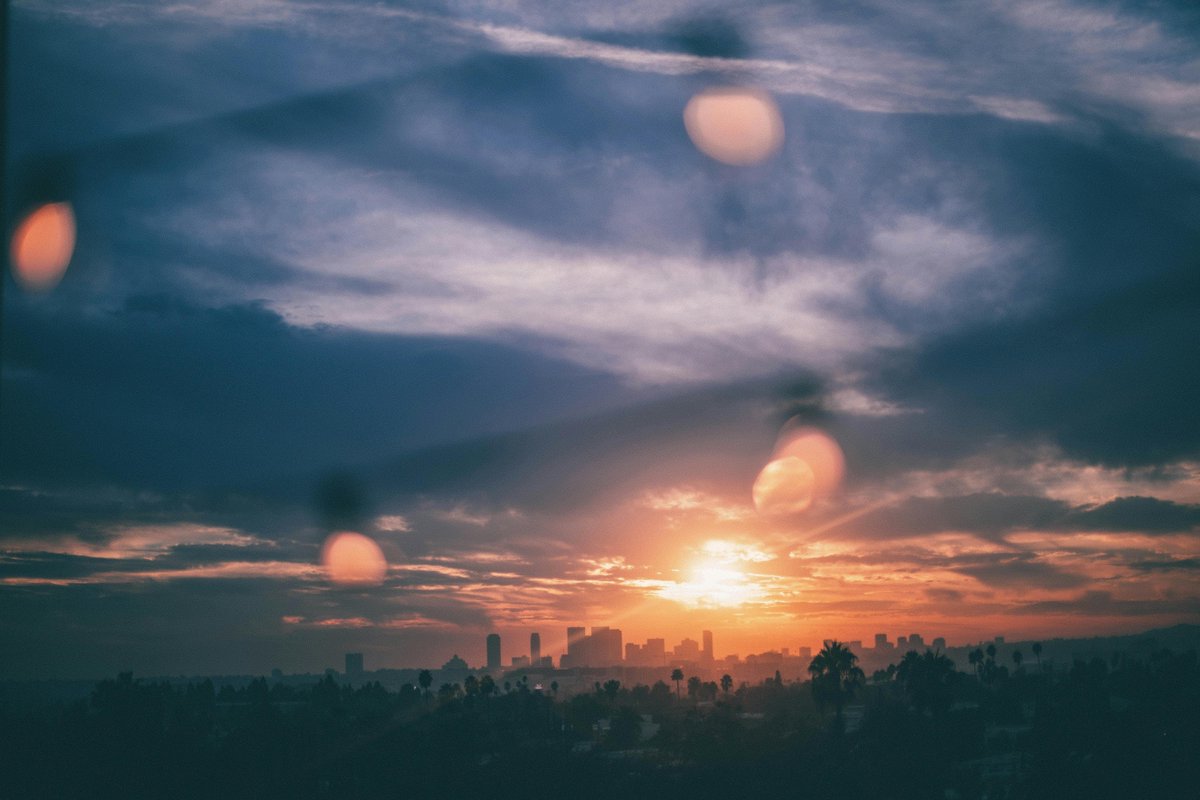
column 734, row 125
column 351, row 559
column 806, row 465
column 42, row 246
column 784, row 486
column 817, row 449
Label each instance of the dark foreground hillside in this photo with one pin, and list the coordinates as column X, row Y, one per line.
column 1122, row 728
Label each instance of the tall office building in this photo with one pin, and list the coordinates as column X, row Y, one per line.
column 493, row 651
column 707, row 652
column 535, row 648
column 881, row 642
column 601, row 649
column 354, row 664
column 606, row 646
column 688, row 650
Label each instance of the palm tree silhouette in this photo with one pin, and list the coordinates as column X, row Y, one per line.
column 726, row 682
column 677, row 676
column 835, row 678
column 1017, row 658
column 975, row 658
column 928, row 680
column 425, row 679
column 1037, row 653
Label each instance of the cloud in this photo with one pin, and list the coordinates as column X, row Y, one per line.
column 468, row 259
column 1167, row 565
column 1019, row 571
column 989, row 515
column 943, row 595
column 1146, row 514
column 1103, row 603
column 994, row 515
column 146, row 394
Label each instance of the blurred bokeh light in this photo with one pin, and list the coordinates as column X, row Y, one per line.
column 784, row 486
column 807, row 465
column 734, row 125
column 351, row 559
column 42, row 246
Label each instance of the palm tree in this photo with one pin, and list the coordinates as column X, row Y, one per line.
column 1017, row 658
column 694, row 684
column 677, row 676
column 928, row 680
column 726, row 683
column 425, row 679
column 975, row 659
column 835, row 678
column 1037, row 653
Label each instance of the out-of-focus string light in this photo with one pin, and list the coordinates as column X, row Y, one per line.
column 351, row 559
column 734, row 125
column 42, row 246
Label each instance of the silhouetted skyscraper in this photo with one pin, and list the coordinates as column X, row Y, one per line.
column 688, row 650
column 493, row 651
column 707, row 652
column 535, row 648
column 354, row 663
column 601, row 649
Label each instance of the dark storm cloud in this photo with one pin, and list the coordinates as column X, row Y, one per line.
column 1100, row 363
column 1017, row 570
column 71, row 67
column 1102, row 603
column 163, row 393
column 987, row 515
column 993, row 516
column 1144, row 514
column 1002, row 570
column 712, row 436
column 1167, row 565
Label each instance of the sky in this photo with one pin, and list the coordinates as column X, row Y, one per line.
column 460, row 277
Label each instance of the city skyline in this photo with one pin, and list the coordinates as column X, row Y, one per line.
column 690, row 652
column 377, row 327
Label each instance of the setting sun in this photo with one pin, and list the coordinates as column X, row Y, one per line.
column 713, row 585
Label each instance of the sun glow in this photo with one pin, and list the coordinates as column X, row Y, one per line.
column 713, row 585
